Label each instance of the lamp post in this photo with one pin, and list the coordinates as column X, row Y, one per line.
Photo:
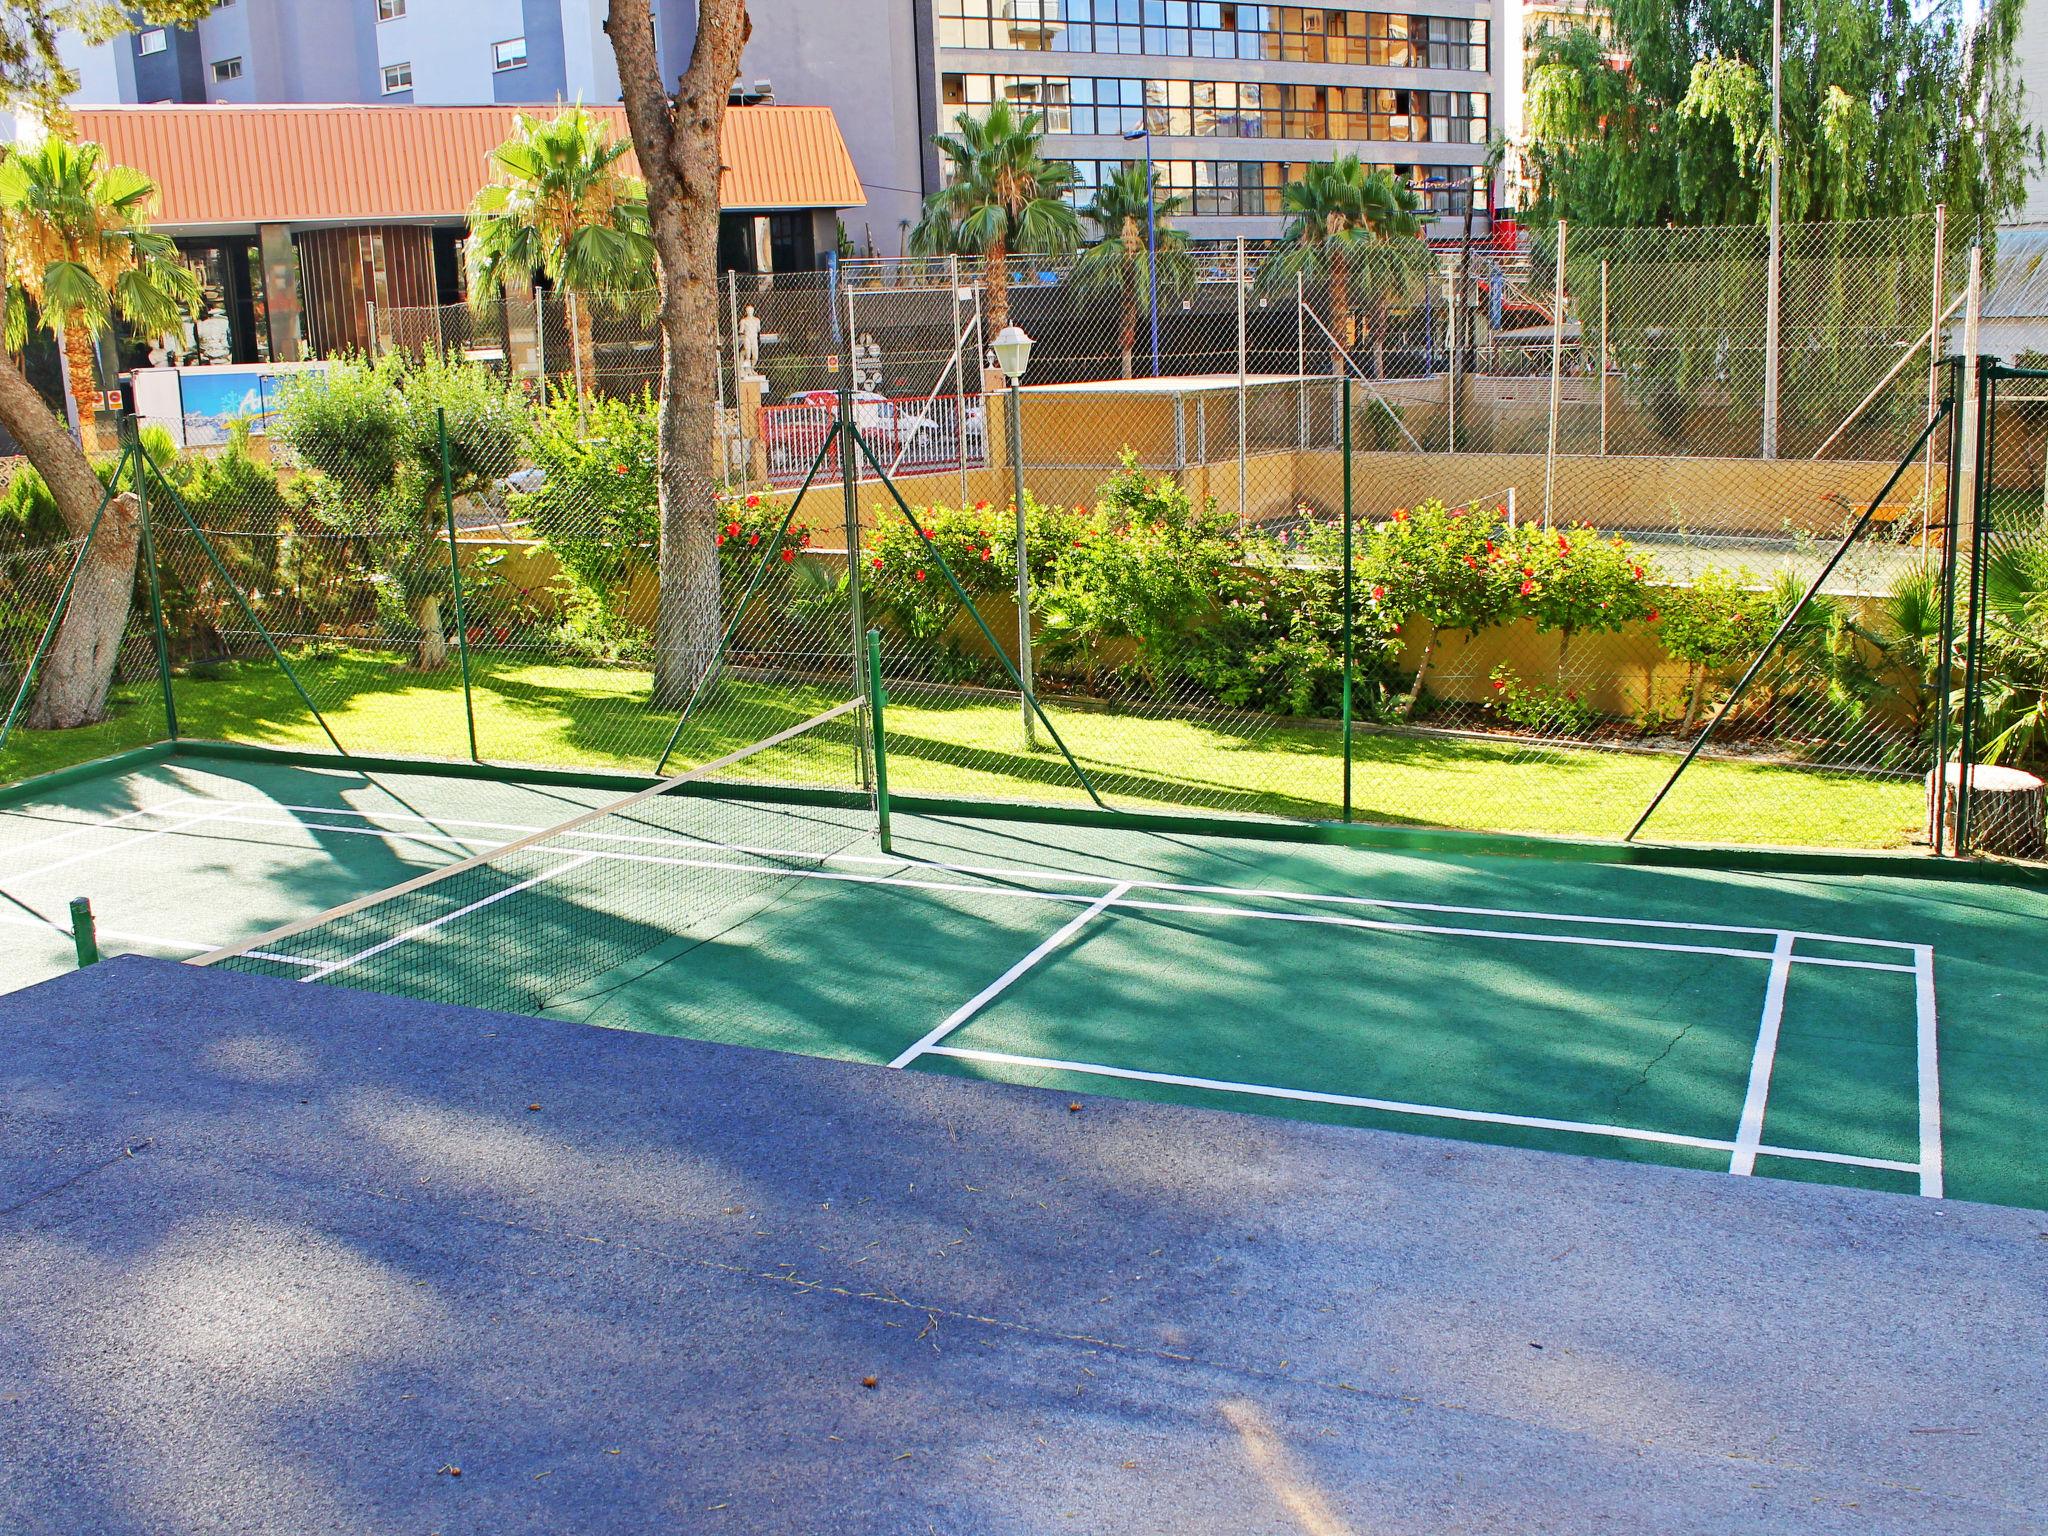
column 1013, row 355
column 1151, row 238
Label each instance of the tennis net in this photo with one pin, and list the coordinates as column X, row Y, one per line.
column 560, row 916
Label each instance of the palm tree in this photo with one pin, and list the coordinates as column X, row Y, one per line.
column 561, row 203
column 80, row 250
column 1120, row 261
column 1002, row 198
column 1349, row 227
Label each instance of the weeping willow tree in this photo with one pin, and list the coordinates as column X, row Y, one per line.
column 1888, row 109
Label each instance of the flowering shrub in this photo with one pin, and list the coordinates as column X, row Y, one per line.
column 1715, row 624
column 1449, row 565
column 908, row 583
column 1573, row 581
column 1552, row 711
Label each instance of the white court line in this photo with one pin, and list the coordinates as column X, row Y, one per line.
column 1397, row 1107
column 994, row 989
column 420, row 929
column 1140, row 904
column 1750, row 1133
column 123, row 847
column 1015, row 873
column 1931, row 1177
column 72, row 829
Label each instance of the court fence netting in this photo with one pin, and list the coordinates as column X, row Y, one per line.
column 486, row 585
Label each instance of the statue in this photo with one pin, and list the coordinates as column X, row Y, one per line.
column 750, row 345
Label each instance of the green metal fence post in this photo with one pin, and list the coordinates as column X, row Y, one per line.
column 1973, row 618
column 57, row 611
column 455, row 579
column 877, row 700
column 158, row 631
column 85, row 937
column 1944, row 688
column 1348, row 657
column 849, row 475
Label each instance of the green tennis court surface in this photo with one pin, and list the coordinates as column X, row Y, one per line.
column 1873, row 1031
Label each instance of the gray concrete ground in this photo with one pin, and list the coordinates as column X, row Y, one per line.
column 294, row 1259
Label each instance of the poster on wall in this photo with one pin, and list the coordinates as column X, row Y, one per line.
column 201, row 406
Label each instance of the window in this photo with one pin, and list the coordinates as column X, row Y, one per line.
column 397, row 77
column 153, row 41
column 390, row 10
column 227, row 69
column 510, row 54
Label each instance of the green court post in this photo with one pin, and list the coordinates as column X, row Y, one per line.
column 1346, row 430
column 849, row 491
column 158, row 632
column 455, row 578
column 877, row 698
column 84, row 936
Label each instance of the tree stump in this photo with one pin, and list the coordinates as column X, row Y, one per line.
column 2006, row 810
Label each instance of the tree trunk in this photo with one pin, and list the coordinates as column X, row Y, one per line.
column 85, row 384
column 1130, row 331
column 1340, row 312
column 584, row 338
column 433, row 652
column 1415, row 694
column 1695, row 696
column 995, row 283
column 80, row 666
column 677, row 143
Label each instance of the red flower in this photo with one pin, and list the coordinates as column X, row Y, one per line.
column 920, row 575
column 1457, row 512
column 732, row 530
column 720, row 539
column 1400, row 514
column 1500, row 511
column 753, row 541
column 1378, row 593
column 1471, row 562
column 1651, row 615
column 1564, row 545
column 753, row 501
column 987, row 554
column 1499, row 686
column 1528, row 570
column 1489, row 547
column 619, row 469
column 1528, row 589
column 1636, row 571
column 788, row 555
column 981, row 506
column 878, row 562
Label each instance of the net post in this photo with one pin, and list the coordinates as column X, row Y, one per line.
column 1348, row 652
column 1973, row 617
column 455, row 569
column 1937, row 811
column 878, row 699
column 63, row 604
column 159, row 633
column 84, row 934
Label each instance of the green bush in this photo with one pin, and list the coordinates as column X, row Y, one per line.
column 1537, row 706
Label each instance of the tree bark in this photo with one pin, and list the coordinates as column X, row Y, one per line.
column 995, row 283
column 85, row 384
column 1130, row 331
column 80, row 666
column 677, row 141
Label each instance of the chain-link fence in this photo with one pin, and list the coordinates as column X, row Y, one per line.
column 1538, row 606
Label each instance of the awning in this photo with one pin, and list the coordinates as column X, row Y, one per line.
column 237, row 166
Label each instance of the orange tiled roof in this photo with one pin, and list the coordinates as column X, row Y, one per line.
column 236, row 165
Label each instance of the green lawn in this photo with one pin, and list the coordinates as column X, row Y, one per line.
column 941, row 743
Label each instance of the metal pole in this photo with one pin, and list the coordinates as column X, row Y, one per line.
column 455, row 579
column 540, row 337
column 156, row 595
column 1556, row 373
column 1946, row 636
column 959, row 372
column 850, row 498
column 84, row 934
column 1973, row 620
column 1240, row 384
column 1023, row 563
column 1345, row 433
column 1451, row 360
column 878, row 698
column 1603, row 357
column 1300, row 363
column 1774, row 266
column 1934, row 350
column 1152, row 245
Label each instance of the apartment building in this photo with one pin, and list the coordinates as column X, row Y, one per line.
column 1236, row 97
